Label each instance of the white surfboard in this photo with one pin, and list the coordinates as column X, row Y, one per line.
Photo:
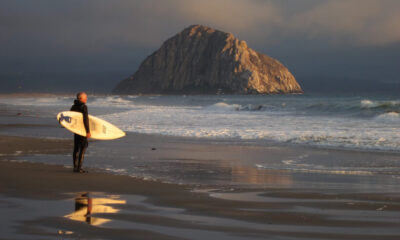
column 99, row 128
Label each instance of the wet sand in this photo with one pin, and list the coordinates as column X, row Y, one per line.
column 47, row 201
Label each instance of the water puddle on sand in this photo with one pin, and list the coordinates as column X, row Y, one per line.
column 86, row 207
column 108, row 216
column 20, row 214
column 77, row 216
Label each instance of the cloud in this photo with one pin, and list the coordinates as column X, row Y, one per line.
column 92, row 26
column 81, row 33
column 237, row 15
column 339, row 22
column 367, row 22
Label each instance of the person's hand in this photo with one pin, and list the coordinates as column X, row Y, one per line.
column 88, row 135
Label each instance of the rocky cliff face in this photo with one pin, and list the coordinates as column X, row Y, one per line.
column 204, row 60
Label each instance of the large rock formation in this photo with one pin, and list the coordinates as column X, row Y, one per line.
column 204, row 60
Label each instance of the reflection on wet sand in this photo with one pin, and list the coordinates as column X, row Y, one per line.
column 251, row 175
column 86, row 207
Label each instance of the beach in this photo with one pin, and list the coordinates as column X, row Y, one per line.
column 153, row 186
column 36, row 199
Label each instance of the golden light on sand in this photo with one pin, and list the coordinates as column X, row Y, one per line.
column 260, row 176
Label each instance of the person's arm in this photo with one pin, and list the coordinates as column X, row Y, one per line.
column 86, row 121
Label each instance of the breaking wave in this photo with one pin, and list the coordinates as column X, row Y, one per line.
column 380, row 104
column 222, row 106
column 389, row 117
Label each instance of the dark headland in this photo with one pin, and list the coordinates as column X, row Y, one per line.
column 202, row 60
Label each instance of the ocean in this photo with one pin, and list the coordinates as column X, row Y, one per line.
column 338, row 123
column 364, row 123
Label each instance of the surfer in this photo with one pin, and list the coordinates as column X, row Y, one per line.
column 81, row 142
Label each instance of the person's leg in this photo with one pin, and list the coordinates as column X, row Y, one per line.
column 75, row 154
column 81, row 158
column 83, row 147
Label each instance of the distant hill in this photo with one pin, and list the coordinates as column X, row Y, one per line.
column 204, row 60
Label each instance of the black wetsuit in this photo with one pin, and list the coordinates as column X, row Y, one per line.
column 80, row 142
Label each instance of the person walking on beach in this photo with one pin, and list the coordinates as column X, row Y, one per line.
column 81, row 142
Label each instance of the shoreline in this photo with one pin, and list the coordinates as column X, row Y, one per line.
column 201, row 153
column 211, row 140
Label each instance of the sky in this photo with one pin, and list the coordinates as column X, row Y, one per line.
column 93, row 44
